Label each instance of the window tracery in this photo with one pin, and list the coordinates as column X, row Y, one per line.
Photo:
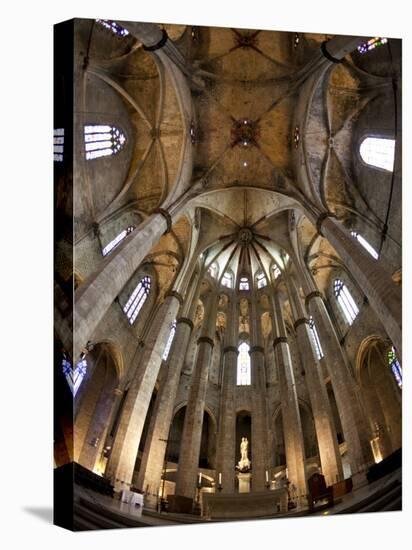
column 345, row 300
column 74, row 377
column 137, row 299
column 361, row 240
column 102, row 140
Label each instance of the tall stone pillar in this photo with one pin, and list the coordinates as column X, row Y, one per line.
column 325, row 430
column 94, row 297
column 192, row 429
column 260, row 431
column 351, row 413
column 384, row 296
column 123, row 457
column 226, row 451
column 150, row 472
column 292, row 426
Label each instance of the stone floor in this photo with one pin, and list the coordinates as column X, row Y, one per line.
column 120, row 514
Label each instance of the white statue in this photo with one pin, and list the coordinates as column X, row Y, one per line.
column 244, row 462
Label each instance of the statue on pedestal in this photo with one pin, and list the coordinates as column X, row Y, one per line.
column 244, row 463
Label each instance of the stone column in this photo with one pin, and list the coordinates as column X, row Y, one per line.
column 192, row 429
column 325, row 430
column 226, row 441
column 260, row 431
column 351, row 414
column 123, row 457
column 94, row 297
column 292, row 427
column 384, row 296
column 150, row 473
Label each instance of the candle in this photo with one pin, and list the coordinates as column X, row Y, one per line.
column 220, row 478
column 267, row 476
column 286, row 472
column 200, row 478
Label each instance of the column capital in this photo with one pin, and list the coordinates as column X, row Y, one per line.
column 280, row 340
column 301, row 321
column 311, row 295
column 255, row 349
column 166, row 216
column 231, row 349
column 321, row 219
column 159, row 45
column 326, row 54
column 176, row 295
column 206, row 340
column 186, row 321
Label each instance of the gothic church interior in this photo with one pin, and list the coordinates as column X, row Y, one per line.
column 228, row 272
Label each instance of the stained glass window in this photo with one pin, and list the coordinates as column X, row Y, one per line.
column 113, row 26
column 243, row 365
column 58, row 144
column 261, row 280
column 378, row 152
column 395, row 366
column 101, row 140
column 315, row 338
column 213, row 270
column 372, row 44
column 74, row 376
column 276, row 271
column 169, row 341
column 345, row 300
column 227, row 280
column 137, row 299
column 117, row 240
column 361, row 240
column 244, row 283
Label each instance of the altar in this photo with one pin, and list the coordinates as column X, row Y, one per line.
column 244, row 505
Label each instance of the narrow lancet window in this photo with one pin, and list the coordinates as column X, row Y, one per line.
column 101, row 140
column 243, row 365
column 227, row 280
column 361, row 240
column 169, row 341
column 378, row 152
column 371, row 44
column 117, row 240
column 345, row 300
column 58, row 144
column 261, row 280
column 395, row 366
column 74, row 377
column 276, row 272
column 315, row 339
column 244, row 283
column 137, row 299
column 112, row 26
column 213, row 270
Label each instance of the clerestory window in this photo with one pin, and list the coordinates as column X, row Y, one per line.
column 169, row 340
column 244, row 283
column 102, row 140
column 378, row 152
column 361, row 240
column 74, row 377
column 137, row 299
column 117, row 240
column 395, row 366
column 243, row 365
column 345, row 301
